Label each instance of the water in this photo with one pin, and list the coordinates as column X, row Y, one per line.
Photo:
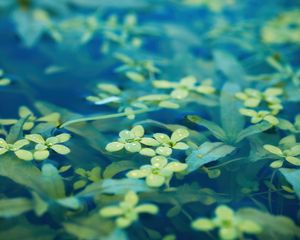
column 162, row 68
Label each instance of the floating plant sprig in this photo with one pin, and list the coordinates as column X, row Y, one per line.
column 285, row 73
column 106, row 93
column 86, row 176
column 166, row 144
column 127, row 32
column 279, row 31
column 17, row 148
column 128, row 139
column 115, row 32
column 185, row 86
column 43, row 146
column 259, row 116
column 132, row 104
column 160, row 171
column 159, row 148
column 113, row 96
column 252, row 98
column 288, row 150
column 128, row 211
column 230, row 226
column 289, row 126
column 56, row 21
column 160, row 100
column 184, row 91
column 4, row 81
column 213, row 5
column 24, row 111
column 136, row 69
column 133, row 141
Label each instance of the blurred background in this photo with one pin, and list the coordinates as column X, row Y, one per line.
column 57, row 50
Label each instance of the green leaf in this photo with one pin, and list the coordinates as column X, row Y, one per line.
column 16, row 131
column 117, row 167
column 114, row 147
column 217, row 131
column 81, row 231
column 79, row 184
column 230, row 67
column 214, row 173
column 115, row 186
column 14, row 206
column 174, row 211
column 188, row 194
column 203, row 224
column 69, row 202
column 273, row 149
column 30, row 176
column 92, row 227
column 28, row 28
column 293, row 177
column 24, row 155
column 257, row 152
column 61, row 149
column 47, row 108
column 286, row 125
column 134, row 76
column 207, row 152
column 25, row 231
column 53, row 182
column 43, row 128
column 40, row 206
column 231, row 119
column 279, row 226
column 252, row 130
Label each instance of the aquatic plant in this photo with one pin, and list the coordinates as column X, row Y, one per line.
column 149, row 120
column 230, row 226
column 42, row 147
column 16, row 148
column 214, row 5
column 52, row 118
column 284, row 28
column 289, row 150
column 4, row 81
column 159, row 172
column 128, row 210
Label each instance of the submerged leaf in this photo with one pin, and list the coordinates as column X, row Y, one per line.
column 217, row 131
column 16, row 131
column 15, row 206
column 117, row 167
column 53, row 182
column 115, row 186
column 232, row 121
column 254, row 129
column 280, row 226
column 293, row 177
column 207, row 152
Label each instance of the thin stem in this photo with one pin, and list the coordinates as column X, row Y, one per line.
column 257, row 203
column 101, row 117
column 261, row 193
column 187, row 214
column 225, row 163
column 269, row 192
column 149, row 121
column 210, row 235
